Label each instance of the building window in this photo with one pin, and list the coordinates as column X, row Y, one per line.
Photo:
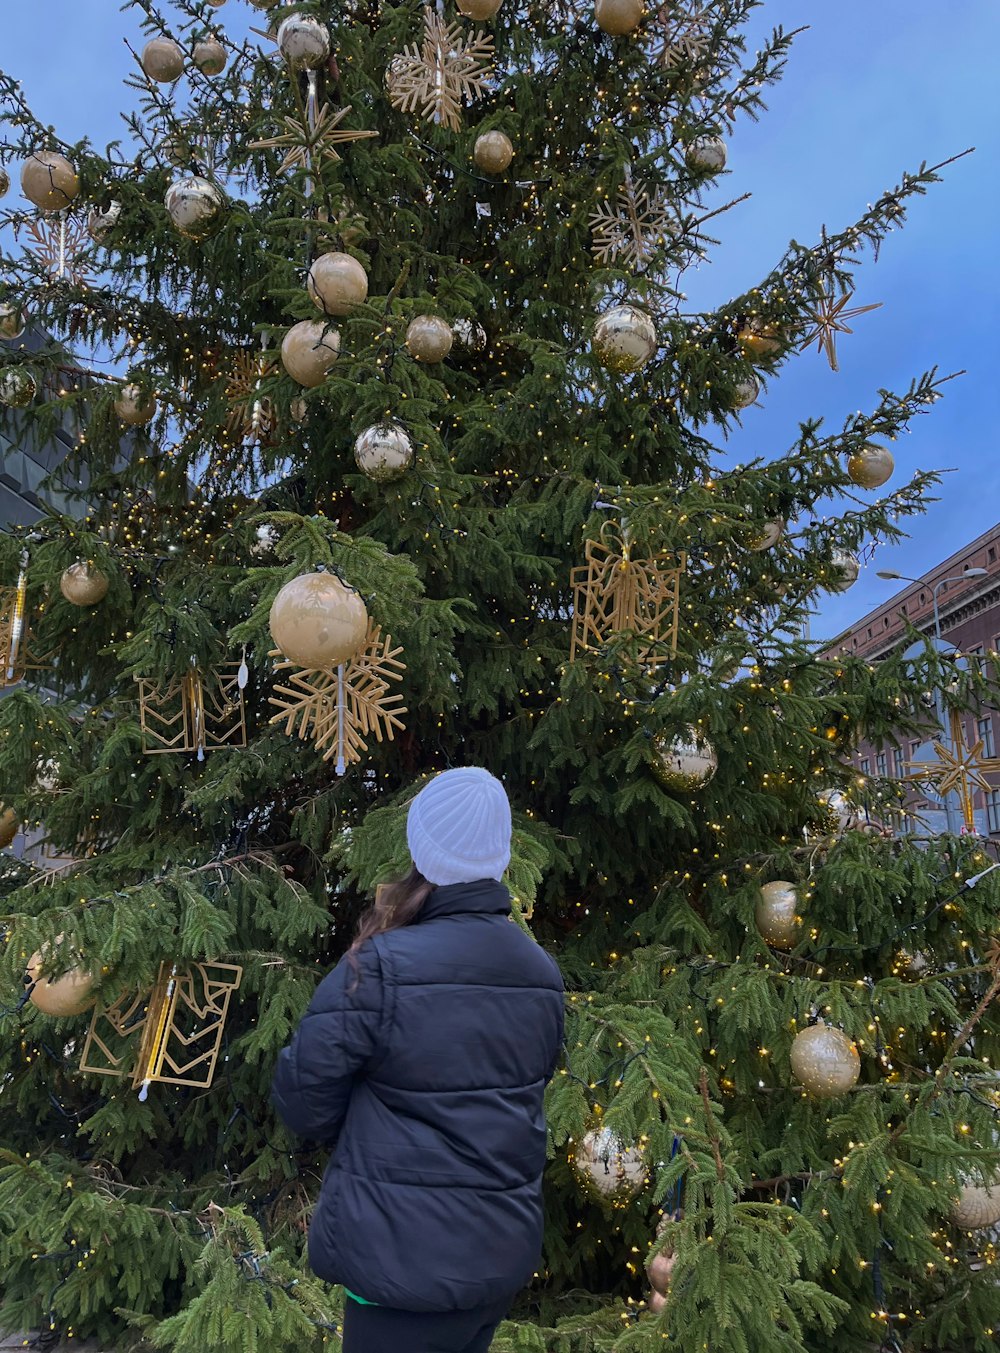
column 975, row 658
column 991, row 554
column 865, row 766
column 898, row 768
column 880, row 767
column 993, row 810
column 984, row 730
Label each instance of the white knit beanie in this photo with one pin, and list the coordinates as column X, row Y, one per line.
column 458, row 827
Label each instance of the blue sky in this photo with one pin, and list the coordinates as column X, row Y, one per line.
column 872, row 88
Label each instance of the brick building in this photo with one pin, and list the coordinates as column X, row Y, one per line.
column 969, row 614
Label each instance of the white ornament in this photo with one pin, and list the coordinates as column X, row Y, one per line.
column 707, row 154
column 844, row 570
column 384, row 452
column 102, row 220
column 304, row 42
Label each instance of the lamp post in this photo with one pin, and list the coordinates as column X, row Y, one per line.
column 892, row 576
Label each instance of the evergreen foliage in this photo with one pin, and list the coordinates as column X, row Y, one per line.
column 179, row 1222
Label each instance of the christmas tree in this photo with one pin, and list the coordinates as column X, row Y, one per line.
column 399, row 449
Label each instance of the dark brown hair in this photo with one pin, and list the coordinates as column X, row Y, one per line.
column 396, row 904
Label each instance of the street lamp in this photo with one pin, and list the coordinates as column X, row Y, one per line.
column 892, row 576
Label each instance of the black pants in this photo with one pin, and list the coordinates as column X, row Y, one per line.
column 382, row 1329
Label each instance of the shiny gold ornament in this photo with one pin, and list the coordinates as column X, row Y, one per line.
column 844, row 571
column 470, row 337
column 684, row 764
column 11, row 322
column 478, row 9
column 828, row 318
column 17, row 387
column 493, row 152
column 9, row 825
column 70, row 994
column 4, row 182
column 135, row 406
column 265, row 4
column 977, row 1206
column 432, row 79
column 747, row 392
column 196, row 207
column 163, row 60
column 318, row 621
column 842, row 813
column 624, row 339
column 660, row 1269
column 197, row 712
column 304, row 42
column 825, row 1061
column 384, row 452
column 706, row 155
column 102, row 220
column 606, row 1168
column 777, row 914
column 769, row 534
column 337, row 283
column 83, row 585
column 49, row 180
column 429, row 339
column 871, row 466
column 759, row 338
column 656, row 1301
column 209, row 56
column 309, row 350
column 615, row 593
column 216, row 4
column 618, row 17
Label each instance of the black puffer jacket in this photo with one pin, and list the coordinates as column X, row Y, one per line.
column 428, row 1076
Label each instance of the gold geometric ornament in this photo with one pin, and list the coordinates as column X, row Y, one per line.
column 341, row 708
column 960, row 767
column 615, row 593
column 196, row 712
column 828, row 318
column 432, row 79
column 178, row 1026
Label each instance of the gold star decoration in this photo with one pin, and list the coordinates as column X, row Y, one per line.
column 615, row 593
column 61, row 246
column 341, row 708
column 959, row 767
column 828, row 318
column 680, row 36
column 632, row 226
column 249, row 415
column 433, row 78
column 307, row 142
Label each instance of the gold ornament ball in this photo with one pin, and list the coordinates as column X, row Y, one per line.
column 318, row 621
column 134, row 405
column 656, row 1301
column 660, row 1270
column 844, row 571
column 17, row 387
column 429, row 339
column 49, row 180
column 309, row 350
column 304, row 42
column 163, row 60
column 4, row 182
column 707, row 154
column 209, row 56
column 102, row 220
column 337, row 283
column 841, row 813
column 493, row 152
column 871, row 466
column 8, row 826
column 825, row 1061
column 478, row 9
column 624, row 339
column 759, row 338
column 83, row 585
column 609, row 1170
column 384, row 452
column 777, row 914
column 746, row 392
column 216, row 4
column 769, row 534
column 618, row 17
column 977, row 1206
column 265, row 4
column 469, row 336
column 70, row 994
column 684, row 764
column 11, row 322
column 196, row 207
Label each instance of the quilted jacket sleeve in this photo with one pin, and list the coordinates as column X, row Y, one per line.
column 337, row 1038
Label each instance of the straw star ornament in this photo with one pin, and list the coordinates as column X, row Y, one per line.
column 432, row 79
column 631, row 226
column 828, row 319
column 306, row 142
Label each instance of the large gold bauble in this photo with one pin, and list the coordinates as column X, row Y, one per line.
column 384, row 452
column 825, row 1061
column 746, row 392
column 844, row 570
column 759, row 338
column 216, row 4
column 102, row 220
column 209, row 56
column 470, row 336
column 777, row 914
column 684, row 764
column 265, row 4
column 70, row 994
column 656, row 1301
column 309, row 350
column 706, row 155
column 196, row 207
column 769, row 534
column 8, row 826
column 163, row 60
column 304, row 42
column 624, row 338
column 977, row 1206
column 83, row 585
column 337, row 283
column 11, row 322
column 4, row 182
column 135, row 406
column 478, row 9
column 318, row 621
column 429, row 339
column 607, row 1169
column 493, row 152
column 871, row 466
column 49, row 180
column 618, row 17
column 17, row 387
column 660, row 1269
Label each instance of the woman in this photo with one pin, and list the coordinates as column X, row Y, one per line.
column 422, row 1061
